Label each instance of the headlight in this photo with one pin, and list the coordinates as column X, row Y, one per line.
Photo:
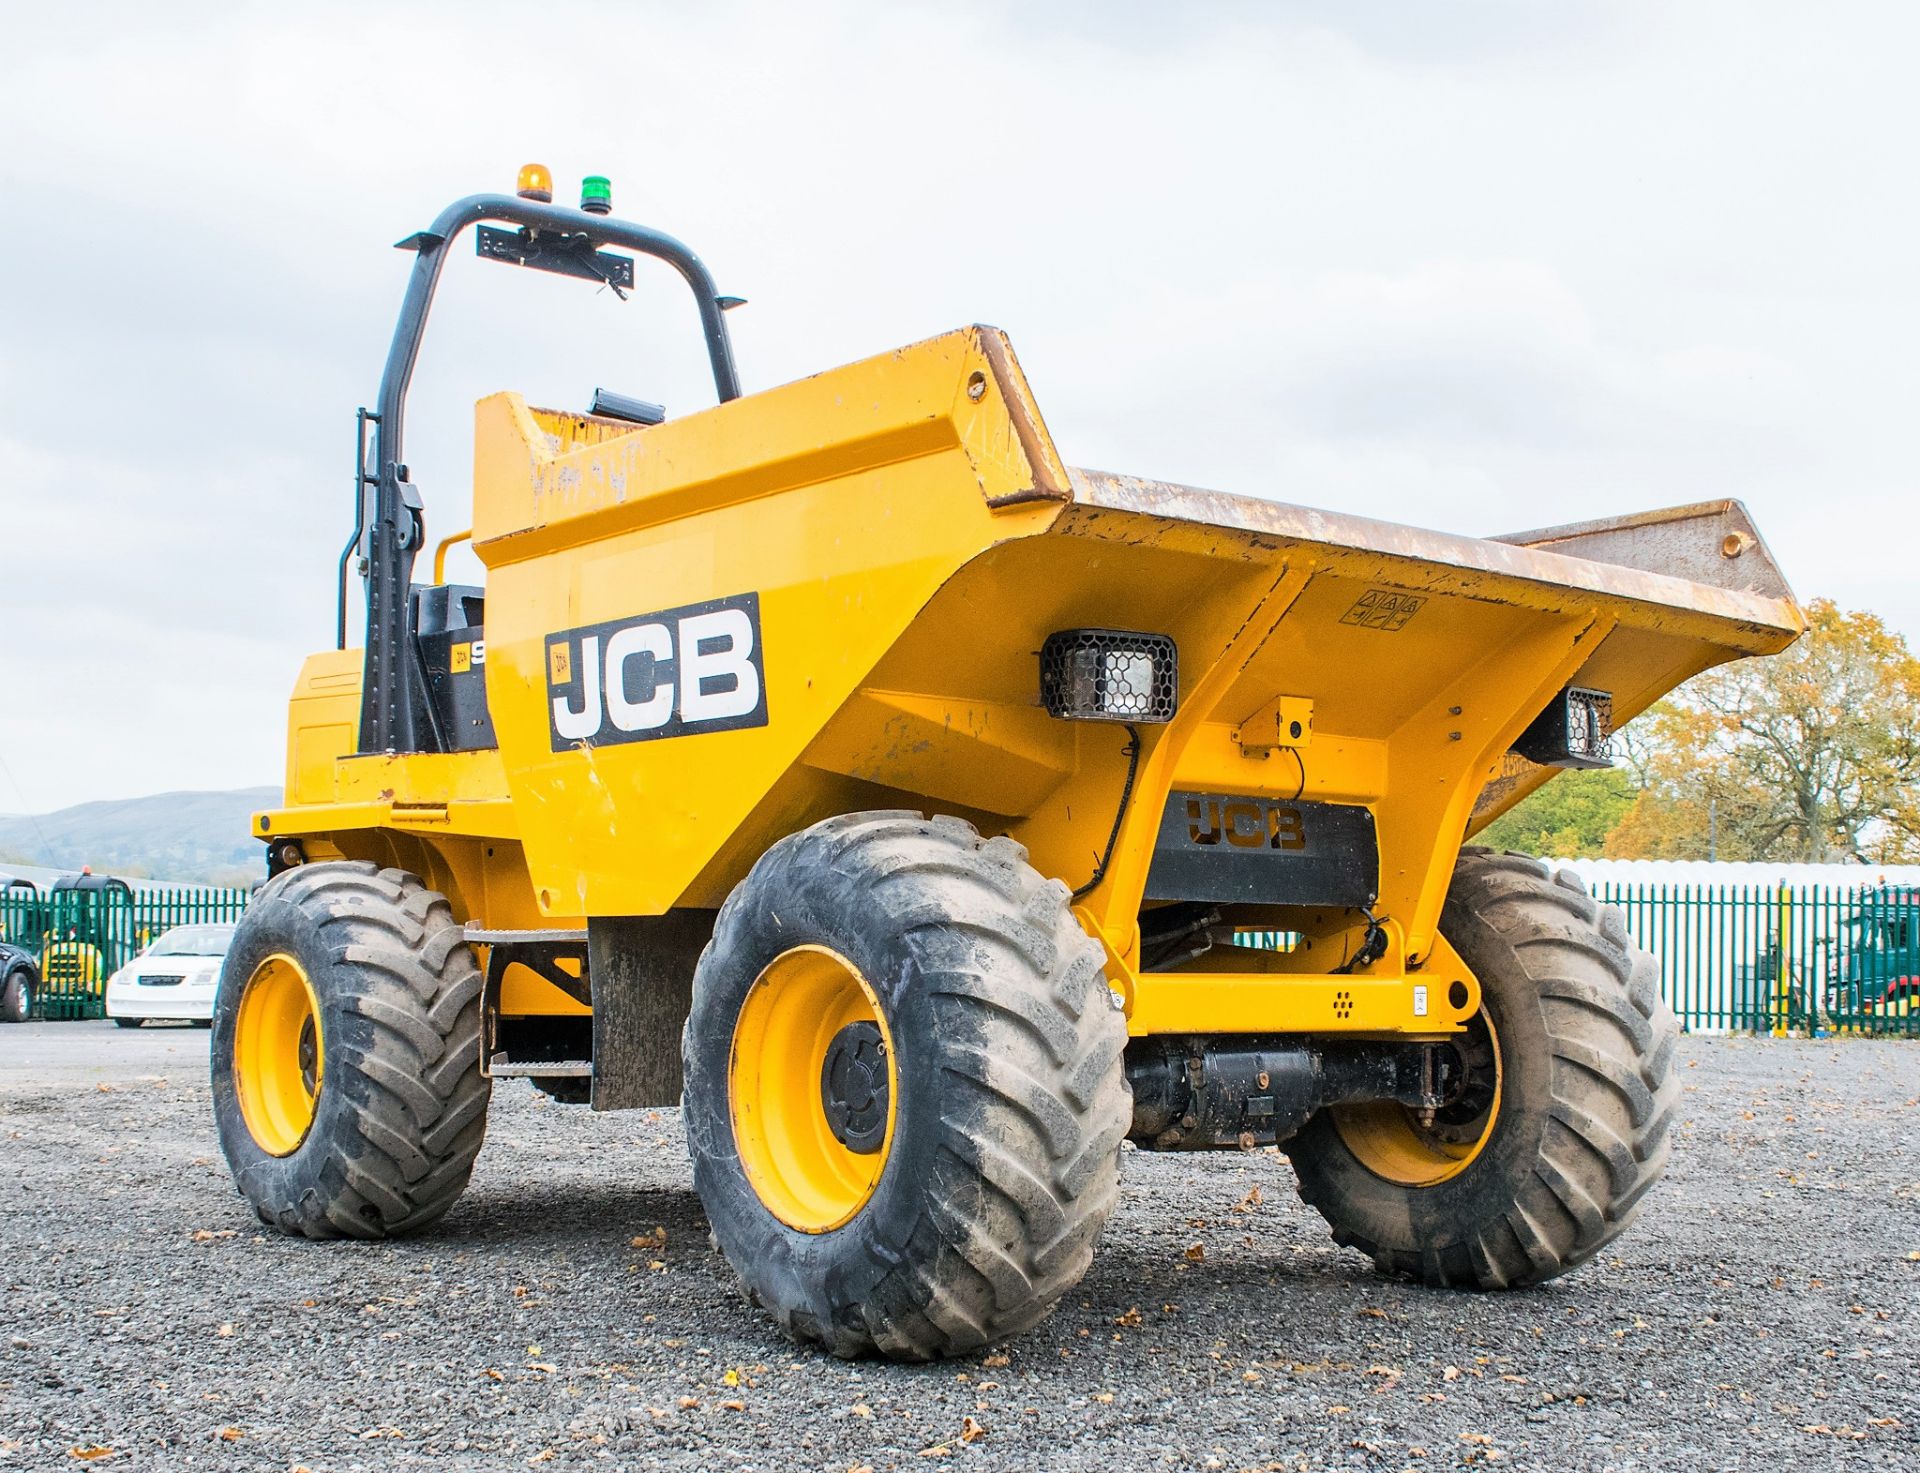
column 1109, row 675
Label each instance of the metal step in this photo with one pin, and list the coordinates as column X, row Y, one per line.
column 501, row 1067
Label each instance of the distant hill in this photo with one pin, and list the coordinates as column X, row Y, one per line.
column 169, row 836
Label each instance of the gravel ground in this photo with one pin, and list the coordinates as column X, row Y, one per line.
column 569, row 1311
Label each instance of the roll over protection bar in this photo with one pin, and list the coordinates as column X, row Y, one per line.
column 391, row 527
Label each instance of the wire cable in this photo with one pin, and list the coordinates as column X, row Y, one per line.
column 1119, row 814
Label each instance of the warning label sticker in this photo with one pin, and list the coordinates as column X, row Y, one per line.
column 1383, row 608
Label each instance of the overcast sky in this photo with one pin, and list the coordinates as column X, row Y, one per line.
column 1479, row 266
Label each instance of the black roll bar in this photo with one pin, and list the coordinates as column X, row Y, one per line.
column 391, row 526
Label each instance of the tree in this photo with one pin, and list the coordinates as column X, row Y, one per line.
column 1570, row 817
column 1812, row 755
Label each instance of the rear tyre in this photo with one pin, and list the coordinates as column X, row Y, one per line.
column 1563, row 1128
column 16, row 996
column 904, row 1089
column 128, row 1022
column 346, row 1053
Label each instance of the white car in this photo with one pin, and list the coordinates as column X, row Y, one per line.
column 174, row 978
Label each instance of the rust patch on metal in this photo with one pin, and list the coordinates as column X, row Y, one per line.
column 1027, row 428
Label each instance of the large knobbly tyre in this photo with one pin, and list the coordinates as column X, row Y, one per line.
column 346, row 1053
column 904, row 1089
column 1520, row 1182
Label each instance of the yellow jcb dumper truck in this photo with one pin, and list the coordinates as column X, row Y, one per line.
column 839, row 764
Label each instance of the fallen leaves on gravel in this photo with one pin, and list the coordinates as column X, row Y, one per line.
column 1197, row 1252
column 209, row 1235
column 970, row 1430
column 1129, row 1319
column 88, row 1454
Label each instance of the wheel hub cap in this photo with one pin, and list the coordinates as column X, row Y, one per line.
column 853, row 1087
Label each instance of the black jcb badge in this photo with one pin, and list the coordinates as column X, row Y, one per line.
column 1233, row 847
column 675, row 673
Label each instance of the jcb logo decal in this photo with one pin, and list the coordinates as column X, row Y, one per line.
column 1245, row 823
column 676, row 673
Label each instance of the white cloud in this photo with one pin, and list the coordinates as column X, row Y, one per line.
column 1482, row 266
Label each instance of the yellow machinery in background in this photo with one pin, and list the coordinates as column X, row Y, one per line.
column 840, row 763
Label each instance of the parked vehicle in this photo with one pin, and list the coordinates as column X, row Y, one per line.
column 20, row 910
column 839, row 764
column 88, row 935
column 1878, row 960
column 175, row 978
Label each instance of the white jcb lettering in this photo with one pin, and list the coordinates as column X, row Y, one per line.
column 577, row 725
column 657, row 707
column 719, row 683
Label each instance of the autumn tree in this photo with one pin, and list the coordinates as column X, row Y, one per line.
column 1569, row 818
column 1812, row 755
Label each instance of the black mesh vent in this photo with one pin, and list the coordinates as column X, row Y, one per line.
column 1109, row 675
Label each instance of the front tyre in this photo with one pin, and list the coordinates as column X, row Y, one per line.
column 1562, row 1128
column 904, row 1089
column 346, row 1053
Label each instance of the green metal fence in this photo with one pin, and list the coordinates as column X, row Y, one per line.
column 79, row 938
column 1806, row 959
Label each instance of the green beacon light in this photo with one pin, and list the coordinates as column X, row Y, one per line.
column 596, row 195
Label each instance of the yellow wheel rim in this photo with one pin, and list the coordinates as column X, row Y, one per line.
column 278, row 1054
column 1397, row 1145
column 809, row 1038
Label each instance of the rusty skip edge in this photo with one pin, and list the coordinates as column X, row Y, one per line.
column 1027, row 426
column 1615, row 558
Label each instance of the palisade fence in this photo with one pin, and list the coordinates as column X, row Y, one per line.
column 79, row 938
column 1802, row 959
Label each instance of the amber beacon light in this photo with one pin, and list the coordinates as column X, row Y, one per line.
column 536, row 183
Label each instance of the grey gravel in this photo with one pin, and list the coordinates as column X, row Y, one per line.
column 1762, row 1314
